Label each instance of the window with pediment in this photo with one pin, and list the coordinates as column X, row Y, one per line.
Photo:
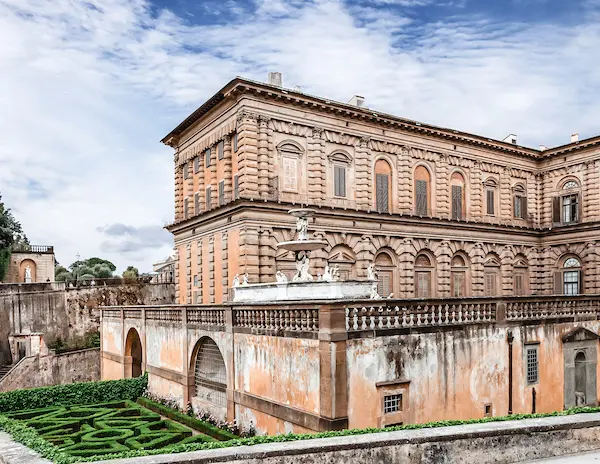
column 569, row 278
column 519, row 202
column 491, row 196
column 344, row 258
column 291, row 156
column 491, row 275
column 520, row 276
column 422, row 191
column 386, row 273
column 566, row 206
column 457, row 195
column 458, row 275
column 424, row 269
column 340, row 164
column 383, row 186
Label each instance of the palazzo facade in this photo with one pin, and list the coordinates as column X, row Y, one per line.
column 441, row 213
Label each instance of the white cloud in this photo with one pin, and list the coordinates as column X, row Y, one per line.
column 87, row 91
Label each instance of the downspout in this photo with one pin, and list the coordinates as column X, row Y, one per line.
column 509, row 339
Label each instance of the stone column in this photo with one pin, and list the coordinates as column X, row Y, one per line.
column 178, row 189
column 214, row 190
column 188, row 273
column 364, row 256
column 477, row 279
column 263, row 156
column 405, row 183
column 333, row 390
column 201, row 277
column 532, row 200
column 442, row 187
column 249, row 259
column 224, row 267
column 227, row 169
column 362, row 181
column 443, row 271
column 177, row 276
column 316, row 165
column 211, row 269
column 506, row 211
column 247, row 130
column 476, row 192
column 506, row 274
column 267, row 256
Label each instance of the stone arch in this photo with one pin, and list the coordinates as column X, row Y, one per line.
column 459, row 204
column 424, row 271
column 210, row 373
column 27, row 262
column 133, row 354
column 386, row 265
column 384, row 185
column 492, row 266
column 460, row 274
column 344, row 257
column 422, row 190
column 562, row 182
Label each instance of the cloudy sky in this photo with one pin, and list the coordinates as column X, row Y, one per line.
column 88, row 88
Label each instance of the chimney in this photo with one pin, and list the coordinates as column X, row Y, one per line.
column 357, row 100
column 510, row 138
column 275, row 79
column 574, row 138
column 543, row 147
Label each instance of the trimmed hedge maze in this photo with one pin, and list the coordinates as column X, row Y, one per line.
column 100, row 429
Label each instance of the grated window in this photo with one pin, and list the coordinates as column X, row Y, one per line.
column 210, row 377
column 392, row 403
column 532, row 365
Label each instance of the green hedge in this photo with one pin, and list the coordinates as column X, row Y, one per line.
column 192, row 422
column 76, row 393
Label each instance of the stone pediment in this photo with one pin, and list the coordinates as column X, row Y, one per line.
column 580, row 334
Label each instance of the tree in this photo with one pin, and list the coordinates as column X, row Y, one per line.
column 86, row 269
column 131, row 273
column 11, row 236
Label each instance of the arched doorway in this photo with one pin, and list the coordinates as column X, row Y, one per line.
column 210, row 374
column 580, row 379
column 133, row 354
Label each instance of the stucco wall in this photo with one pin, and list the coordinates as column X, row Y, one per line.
column 59, row 311
column 41, row 265
column 66, row 368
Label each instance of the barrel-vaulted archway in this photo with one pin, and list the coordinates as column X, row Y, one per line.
column 133, row 354
column 210, row 373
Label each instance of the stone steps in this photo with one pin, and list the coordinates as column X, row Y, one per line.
column 5, row 370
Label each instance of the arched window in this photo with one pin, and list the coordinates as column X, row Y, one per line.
column 343, row 257
column 423, row 276
column 520, row 276
column 133, row 354
column 566, row 206
column 491, row 196
column 385, row 273
column 383, row 186
column 519, row 202
column 210, row 375
column 569, row 278
column 422, row 191
column 580, row 379
column 291, row 159
column 491, row 275
column 458, row 195
column 340, row 163
column 458, row 276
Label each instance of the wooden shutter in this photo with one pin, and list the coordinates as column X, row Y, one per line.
column 185, row 208
column 558, row 283
column 196, row 164
column 579, row 208
column 197, row 203
column 236, row 187
column 208, row 195
column 421, row 197
column 221, row 193
column 456, row 202
column 384, row 287
column 221, row 150
column 490, row 201
column 339, row 181
column 235, row 142
column 556, row 210
column 524, row 207
column 580, row 282
column 518, row 284
column 381, row 191
column 207, row 158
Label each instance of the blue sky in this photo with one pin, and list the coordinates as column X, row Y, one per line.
column 88, row 88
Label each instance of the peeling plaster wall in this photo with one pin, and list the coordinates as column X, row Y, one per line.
column 454, row 374
column 266, row 424
column 67, row 313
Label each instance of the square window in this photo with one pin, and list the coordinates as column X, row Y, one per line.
column 392, row 403
column 532, row 364
column 207, row 158
column 208, row 195
column 221, row 150
column 339, row 181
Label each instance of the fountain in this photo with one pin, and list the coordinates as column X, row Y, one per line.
column 303, row 285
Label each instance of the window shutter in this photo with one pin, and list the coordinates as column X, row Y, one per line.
column 580, row 282
column 185, row 208
column 558, row 283
column 342, row 181
column 382, row 196
column 235, row 142
column 556, row 210
column 579, row 208
column 221, row 150
column 339, row 180
column 221, row 193
column 236, row 187
column 197, row 203
column 207, row 158
column 490, row 202
column 524, row 207
column 456, row 202
column 421, row 197
column 208, row 194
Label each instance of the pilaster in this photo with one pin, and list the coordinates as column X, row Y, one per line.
column 201, row 184
column 506, row 274
column 267, row 266
column 178, row 190
column 214, row 190
column 211, row 269
column 263, row 156
column 506, row 211
column 364, row 256
column 405, row 182
column 224, row 267
column 443, row 187
column 443, row 272
column 188, row 273
column 201, row 277
column 532, row 200
column 477, row 284
column 362, row 179
column 476, row 192
column 227, row 169
column 316, row 165
column 591, row 189
column 177, row 276
column 247, row 130
column 249, row 259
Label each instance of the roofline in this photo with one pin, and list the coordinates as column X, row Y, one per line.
column 244, row 85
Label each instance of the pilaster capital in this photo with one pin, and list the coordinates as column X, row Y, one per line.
column 263, row 120
column 317, row 132
column 245, row 115
column 364, row 141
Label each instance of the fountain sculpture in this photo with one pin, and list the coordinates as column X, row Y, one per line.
column 303, row 285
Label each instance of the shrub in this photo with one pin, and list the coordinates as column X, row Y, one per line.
column 76, row 393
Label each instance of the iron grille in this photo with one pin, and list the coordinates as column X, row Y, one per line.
column 210, row 377
column 392, row 403
column 532, row 365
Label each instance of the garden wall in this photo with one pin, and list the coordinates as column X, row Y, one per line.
column 65, row 368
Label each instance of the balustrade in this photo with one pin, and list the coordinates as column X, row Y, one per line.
column 164, row 315
column 206, row 316
column 552, row 309
column 300, row 320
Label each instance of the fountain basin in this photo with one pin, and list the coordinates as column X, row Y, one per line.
column 302, row 245
column 315, row 290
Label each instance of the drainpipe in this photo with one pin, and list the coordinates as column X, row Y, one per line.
column 509, row 339
column 533, row 398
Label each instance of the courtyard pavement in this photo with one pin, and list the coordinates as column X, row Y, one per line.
column 586, row 458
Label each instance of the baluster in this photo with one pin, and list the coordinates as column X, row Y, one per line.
column 433, row 321
column 380, row 317
column 404, row 321
column 297, row 320
column 372, row 318
column 315, row 317
column 389, row 317
column 418, row 315
column 426, row 315
column 355, row 318
column 411, row 319
column 363, row 318
column 396, row 317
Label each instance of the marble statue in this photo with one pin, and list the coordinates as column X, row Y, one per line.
column 302, row 266
column 371, row 272
column 281, row 278
column 327, row 275
column 374, row 294
column 236, row 281
column 28, row 274
column 245, row 280
column 335, row 273
column 302, row 227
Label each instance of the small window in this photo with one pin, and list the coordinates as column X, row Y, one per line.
column 488, row 410
column 519, row 207
column 570, row 185
column 290, row 173
column 185, row 208
column 339, row 181
column 207, row 158
column 570, row 208
column 208, row 201
column 186, row 171
column 532, row 364
column 196, row 164
column 197, row 203
column 392, row 403
column 236, row 187
column 221, row 150
column 195, row 280
column 221, row 193
column 490, row 200
column 235, row 142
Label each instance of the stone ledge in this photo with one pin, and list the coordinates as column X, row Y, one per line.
column 12, row 452
column 498, row 442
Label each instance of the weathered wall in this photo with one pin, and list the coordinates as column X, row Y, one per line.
column 59, row 311
column 454, row 374
column 66, row 368
column 41, row 265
